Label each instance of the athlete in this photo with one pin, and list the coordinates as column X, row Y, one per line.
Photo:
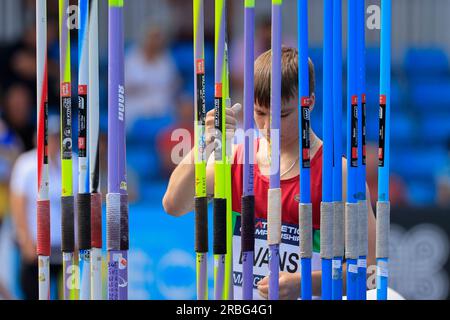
column 180, row 191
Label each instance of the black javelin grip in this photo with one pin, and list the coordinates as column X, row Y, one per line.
column 67, row 224
column 201, row 225
column 248, row 224
column 84, row 221
column 220, row 226
column 124, row 228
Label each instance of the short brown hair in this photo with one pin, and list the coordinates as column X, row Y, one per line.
column 289, row 76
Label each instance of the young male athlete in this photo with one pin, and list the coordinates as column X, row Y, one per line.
column 180, row 192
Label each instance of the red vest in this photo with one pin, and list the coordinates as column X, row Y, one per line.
column 289, row 189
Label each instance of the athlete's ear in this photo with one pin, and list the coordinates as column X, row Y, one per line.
column 313, row 102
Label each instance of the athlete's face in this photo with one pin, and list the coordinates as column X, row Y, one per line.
column 289, row 121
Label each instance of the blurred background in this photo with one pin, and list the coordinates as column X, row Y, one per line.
column 159, row 81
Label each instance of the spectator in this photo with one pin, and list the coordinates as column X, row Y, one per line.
column 24, row 195
column 165, row 144
column 151, row 78
column 17, row 113
column 443, row 182
column 10, row 149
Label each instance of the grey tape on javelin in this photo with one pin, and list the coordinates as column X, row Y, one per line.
column 383, row 228
column 306, row 230
column 274, row 217
column 339, row 230
column 363, row 228
column 113, row 221
column 351, row 230
column 326, row 230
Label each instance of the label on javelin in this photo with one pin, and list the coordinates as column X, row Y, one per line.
column 82, row 121
column 289, row 254
column 218, row 121
column 354, row 133
column 306, row 123
column 364, row 130
column 382, row 269
column 201, row 108
column 66, row 109
column 382, row 132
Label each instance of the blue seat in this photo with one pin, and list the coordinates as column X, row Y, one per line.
column 145, row 130
column 418, row 163
column 421, row 192
column 430, row 96
column 428, row 62
column 144, row 161
column 436, row 128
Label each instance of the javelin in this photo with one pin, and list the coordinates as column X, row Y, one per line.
column 383, row 205
column 220, row 203
column 305, row 206
column 248, row 198
column 326, row 210
column 94, row 156
column 84, row 197
column 351, row 207
column 229, row 291
column 361, row 178
column 338, row 222
column 201, row 199
column 43, row 202
column 67, row 199
column 117, row 198
column 274, row 193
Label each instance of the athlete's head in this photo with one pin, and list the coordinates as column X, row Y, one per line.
column 289, row 93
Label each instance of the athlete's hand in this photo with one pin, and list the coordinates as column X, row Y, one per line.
column 289, row 286
column 231, row 123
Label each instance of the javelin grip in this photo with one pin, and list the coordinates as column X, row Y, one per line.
column 274, row 217
column 248, row 224
column 124, row 224
column 363, row 229
column 84, row 221
column 67, row 224
column 306, row 231
column 339, row 230
column 96, row 220
column 43, row 228
column 201, row 225
column 383, row 228
column 351, row 231
column 113, row 221
column 220, row 226
column 326, row 226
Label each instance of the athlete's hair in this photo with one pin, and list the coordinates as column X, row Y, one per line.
column 289, row 76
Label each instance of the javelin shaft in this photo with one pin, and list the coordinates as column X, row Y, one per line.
column 84, row 197
column 351, row 210
column 338, row 222
column 43, row 201
column 220, row 203
column 248, row 198
column 383, row 206
column 117, row 199
column 201, row 200
column 67, row 199
column 94, row 156
column 274, row 194
column 326, row 215
column 305, row 206
column 361, row 178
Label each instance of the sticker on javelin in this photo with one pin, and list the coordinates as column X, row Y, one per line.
column 66, row 121
column 382, row 269
column 364, row 130
column 354, row 137
column 289, row 254
column 306, row 123
column 218, row 121
column 82, row 121
column 382, row 132
column 201, row 108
